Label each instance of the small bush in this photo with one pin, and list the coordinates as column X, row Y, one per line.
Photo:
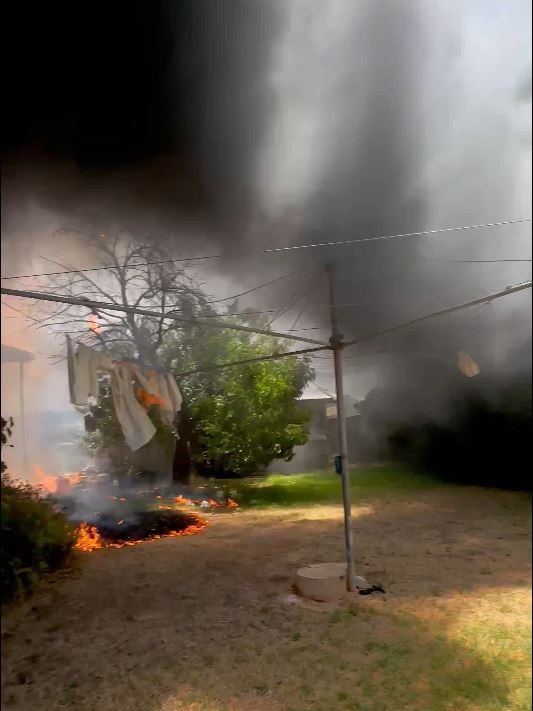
column 35, row 537
column 484, row 442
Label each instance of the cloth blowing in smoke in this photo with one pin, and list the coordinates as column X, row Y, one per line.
column 467, row 366
column 134, row 390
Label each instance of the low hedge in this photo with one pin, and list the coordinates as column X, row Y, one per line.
column 36, row 538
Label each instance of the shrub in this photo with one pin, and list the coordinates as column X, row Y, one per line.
column 486, row 441
column 35, row 537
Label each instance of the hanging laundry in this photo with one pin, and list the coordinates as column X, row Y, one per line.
column 136, row 426
column 148, row 399
column 467, row 366
column 83, row 368
column 176, row 398
column 131, row 401
column 160, row 389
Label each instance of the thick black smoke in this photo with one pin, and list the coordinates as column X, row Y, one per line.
column 135, row 113
column 155, row 116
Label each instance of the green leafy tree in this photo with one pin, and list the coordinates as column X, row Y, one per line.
column 6, row 432
column 245, row 416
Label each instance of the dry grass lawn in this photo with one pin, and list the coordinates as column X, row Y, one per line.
column 208, row 622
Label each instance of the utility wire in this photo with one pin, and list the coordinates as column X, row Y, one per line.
column 300, row 313
column 214, row 301
column 406, row 234
column 305, row 246
column 479, row 261
column 255, row 288
column 305, row 292
column 13, row 308
column 99, row 269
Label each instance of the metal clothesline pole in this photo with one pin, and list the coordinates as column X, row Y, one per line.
column 337, row 347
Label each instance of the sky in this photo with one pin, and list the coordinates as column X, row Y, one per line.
column 240, row 126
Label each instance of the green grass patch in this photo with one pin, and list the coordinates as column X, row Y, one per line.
column 324, row 487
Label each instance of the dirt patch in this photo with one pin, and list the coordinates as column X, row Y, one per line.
column 205, row 623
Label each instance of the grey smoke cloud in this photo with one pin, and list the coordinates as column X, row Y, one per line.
column 248, row 124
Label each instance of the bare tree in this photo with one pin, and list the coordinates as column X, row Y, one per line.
column 128, row 274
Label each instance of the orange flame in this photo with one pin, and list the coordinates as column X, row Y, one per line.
column 89, row 539
column 56, row 484
column 214, row 504
column 93, row 323
column 181, row 500
column 147, row 399
column 45, row 481
column 232, row 504
column 66, row 482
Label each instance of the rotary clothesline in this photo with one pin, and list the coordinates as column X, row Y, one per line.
column 336, row 344
column 274, row 356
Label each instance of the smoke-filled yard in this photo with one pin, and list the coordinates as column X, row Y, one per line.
column 252, row 237
column 210, row 623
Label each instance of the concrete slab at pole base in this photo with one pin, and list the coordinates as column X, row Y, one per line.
column 324, row 582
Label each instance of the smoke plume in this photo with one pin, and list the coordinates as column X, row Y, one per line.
column 240, row 126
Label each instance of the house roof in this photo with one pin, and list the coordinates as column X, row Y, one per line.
column 15, row 355
column 349, row 407
column 312, row 392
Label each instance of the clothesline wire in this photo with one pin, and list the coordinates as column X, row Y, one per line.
column 287, row 248
column 442, row 312
column 247, row 361
column 91, row 304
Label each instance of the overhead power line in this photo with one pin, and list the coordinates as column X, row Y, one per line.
column 13, row 308
column 301, row 293
column 301, row 246
column 255, row 288
column 451, row 309
column 107, row 268
column 226, row 298
column 483, row 261
column 396, row 236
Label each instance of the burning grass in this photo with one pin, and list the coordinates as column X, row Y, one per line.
column 137, row 517
column 145, row 526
